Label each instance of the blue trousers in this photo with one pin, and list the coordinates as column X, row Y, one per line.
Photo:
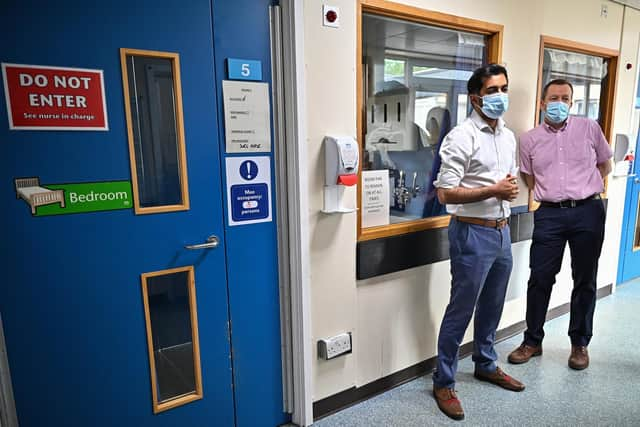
column 583, row 228
column 480, row 268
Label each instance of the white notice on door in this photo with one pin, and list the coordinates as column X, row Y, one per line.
column 375, row 198
column 246, row 117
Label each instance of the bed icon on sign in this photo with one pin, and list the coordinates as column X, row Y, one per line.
column 30, row 190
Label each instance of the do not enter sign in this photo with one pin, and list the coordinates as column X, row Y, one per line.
column 54, row 98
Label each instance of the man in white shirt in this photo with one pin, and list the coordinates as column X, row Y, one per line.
column 477, row 180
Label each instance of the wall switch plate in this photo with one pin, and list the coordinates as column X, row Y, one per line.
column 335, row 346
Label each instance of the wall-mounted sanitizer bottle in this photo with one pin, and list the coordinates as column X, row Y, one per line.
column 341, row 169
column 623, row 156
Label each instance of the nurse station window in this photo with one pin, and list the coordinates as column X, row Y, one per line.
column 414, row 67
column 591, row 71
column 585, row 72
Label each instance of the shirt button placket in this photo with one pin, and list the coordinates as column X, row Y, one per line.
column 563, row 164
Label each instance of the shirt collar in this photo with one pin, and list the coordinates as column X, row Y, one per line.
column 481, row 124
column 551, row 129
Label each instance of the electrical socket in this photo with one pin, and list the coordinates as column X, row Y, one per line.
column 335, row 346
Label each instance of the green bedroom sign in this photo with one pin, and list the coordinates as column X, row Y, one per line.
column 60, row 199
column 90, row 197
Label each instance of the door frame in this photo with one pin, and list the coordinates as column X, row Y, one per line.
column 8, row 415
column 293, row 205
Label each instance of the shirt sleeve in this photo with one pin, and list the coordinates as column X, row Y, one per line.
column 525, row 155
column 515, row 168
column 600, row 144
column 455, row 153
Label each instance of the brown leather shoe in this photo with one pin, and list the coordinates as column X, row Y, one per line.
column 579, row 358
column 523, row 353
column 448, row 402
column 499, row 378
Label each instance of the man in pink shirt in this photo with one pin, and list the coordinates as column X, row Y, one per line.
column 564, row 161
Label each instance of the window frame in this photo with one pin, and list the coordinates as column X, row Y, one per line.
column 607, row 109
column 198, row 393
column 494, row 34
column 180, row 142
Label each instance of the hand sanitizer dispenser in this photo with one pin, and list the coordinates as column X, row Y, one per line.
column 341, row 169
column 623, row 156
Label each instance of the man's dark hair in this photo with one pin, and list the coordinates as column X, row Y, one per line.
column 559, row 82
column 474, row 86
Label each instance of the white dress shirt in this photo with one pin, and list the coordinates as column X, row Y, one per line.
column 473, row 156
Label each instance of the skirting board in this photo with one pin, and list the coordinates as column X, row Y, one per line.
column 349, row 397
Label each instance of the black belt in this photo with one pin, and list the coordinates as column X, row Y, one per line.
column 569, row 203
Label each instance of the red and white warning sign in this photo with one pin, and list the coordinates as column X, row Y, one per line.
column 54, row 98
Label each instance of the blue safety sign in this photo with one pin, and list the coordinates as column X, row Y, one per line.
column 248, row 190
column 248, row 170
column 249, row 202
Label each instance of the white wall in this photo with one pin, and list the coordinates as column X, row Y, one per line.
column 395, row 318
column 331, row 110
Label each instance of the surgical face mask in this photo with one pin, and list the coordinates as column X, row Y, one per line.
column 557, row 112
column 495, row 105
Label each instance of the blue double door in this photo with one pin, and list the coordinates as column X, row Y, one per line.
column 75, row 314
column 629, row 264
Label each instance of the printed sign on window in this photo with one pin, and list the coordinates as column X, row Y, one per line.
column 375, row 198
column 54, row 98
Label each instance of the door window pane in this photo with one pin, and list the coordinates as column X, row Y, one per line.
column 587, row 74
column 172, row 334
column 154, row 118
column 415, row 90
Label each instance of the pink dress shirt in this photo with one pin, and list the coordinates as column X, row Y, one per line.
column 564, row 161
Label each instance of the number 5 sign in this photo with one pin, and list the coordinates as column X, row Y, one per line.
column 244, row 69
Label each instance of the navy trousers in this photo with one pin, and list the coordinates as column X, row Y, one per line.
column 583, row 228
column 480, row 268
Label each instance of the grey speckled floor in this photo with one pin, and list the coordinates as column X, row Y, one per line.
column 605, row 394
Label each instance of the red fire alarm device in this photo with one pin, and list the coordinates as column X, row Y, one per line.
column 330, row 16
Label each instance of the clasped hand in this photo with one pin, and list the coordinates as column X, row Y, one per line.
column 507, row 188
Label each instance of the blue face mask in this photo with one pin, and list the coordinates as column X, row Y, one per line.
column 557, row 112
column 495, row 105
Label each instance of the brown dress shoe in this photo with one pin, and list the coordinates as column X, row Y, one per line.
column 579, row 358
column 523, row 353
column 448, row 402
column 499, row 378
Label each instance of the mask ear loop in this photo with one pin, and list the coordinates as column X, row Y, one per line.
column 477, row 96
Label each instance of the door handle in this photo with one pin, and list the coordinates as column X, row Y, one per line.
column 636, row 180
column 212, row 242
